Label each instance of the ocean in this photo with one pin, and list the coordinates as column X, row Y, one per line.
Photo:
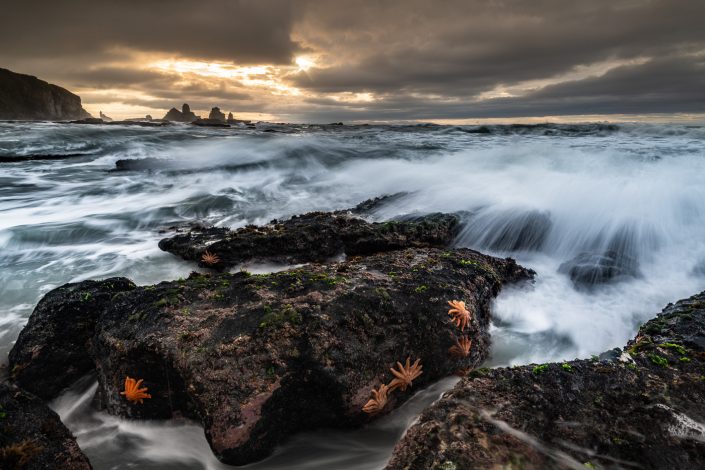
column 551, row 196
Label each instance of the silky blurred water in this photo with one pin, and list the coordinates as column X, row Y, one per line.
column 540, row 194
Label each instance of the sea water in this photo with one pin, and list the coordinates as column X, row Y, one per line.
column 541, row 194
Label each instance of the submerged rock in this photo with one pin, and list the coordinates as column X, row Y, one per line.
column 256, row 358
column 32, row 437
column 88, row 120
column 590, row 269
column 139, row 164
column 210, row 123
column 316, row 236
column 643, row 410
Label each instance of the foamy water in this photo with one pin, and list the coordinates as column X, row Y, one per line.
column 542, row 199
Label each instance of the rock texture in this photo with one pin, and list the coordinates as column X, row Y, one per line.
column 58, row 334
column 24, row 97
column 316, row 236
column 256, row 358
column 645, row 408
column 32, row 436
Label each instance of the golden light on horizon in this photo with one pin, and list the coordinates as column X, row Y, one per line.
column 210, row 69
column 270, row 78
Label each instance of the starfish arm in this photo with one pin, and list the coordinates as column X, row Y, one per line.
column 398, row 375
column 397, row 383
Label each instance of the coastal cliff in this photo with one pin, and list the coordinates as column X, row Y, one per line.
column 24, row 97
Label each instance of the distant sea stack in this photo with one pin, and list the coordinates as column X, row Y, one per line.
column 217, row 115
column 185, row 115
column 24, row 97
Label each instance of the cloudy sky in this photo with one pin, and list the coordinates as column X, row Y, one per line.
column 375, row 60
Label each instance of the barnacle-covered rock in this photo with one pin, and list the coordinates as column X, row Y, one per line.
column 256, row 358
column 316, row 236
column 643, row 407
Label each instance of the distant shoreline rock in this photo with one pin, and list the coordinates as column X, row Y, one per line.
column 185, row 115
column 25, row 97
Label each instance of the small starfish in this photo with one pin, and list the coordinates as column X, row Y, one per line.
column 460, row 315
column 461, row 348
column 133, row 392
column 378, row 400
column 405, row 375
column 209, row 258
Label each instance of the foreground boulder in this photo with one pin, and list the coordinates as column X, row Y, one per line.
column 32, row 436
column 316, row 236
column 24, row 97
column 58, row 334
column 256, row 358
column 642, row 409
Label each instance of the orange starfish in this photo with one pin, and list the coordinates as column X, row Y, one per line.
column 461, row 348
column 460, row 315
column 378, row 400
column 209, row 258
column 133, row 392
column 405, row 375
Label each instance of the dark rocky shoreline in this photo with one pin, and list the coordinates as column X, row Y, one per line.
column 32, row 436
column 312, row 237
column 257, row 358
column 643, row 407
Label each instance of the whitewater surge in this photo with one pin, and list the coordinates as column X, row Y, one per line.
column 544, row 195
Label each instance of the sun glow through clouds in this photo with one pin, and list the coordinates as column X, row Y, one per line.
column 304, row 63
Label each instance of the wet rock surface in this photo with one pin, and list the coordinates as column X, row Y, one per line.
column 58, row 334
column 140, row 164
column 644, row 409
column 316, row 236
column 32, row 436
column 588, row 270
column 256, row 358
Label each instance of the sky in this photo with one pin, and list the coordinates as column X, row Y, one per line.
column 325, row 61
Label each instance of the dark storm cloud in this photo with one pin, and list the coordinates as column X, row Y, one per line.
column 669, row 85
column 419, row 59
column 460, row 48
column 237, row 30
